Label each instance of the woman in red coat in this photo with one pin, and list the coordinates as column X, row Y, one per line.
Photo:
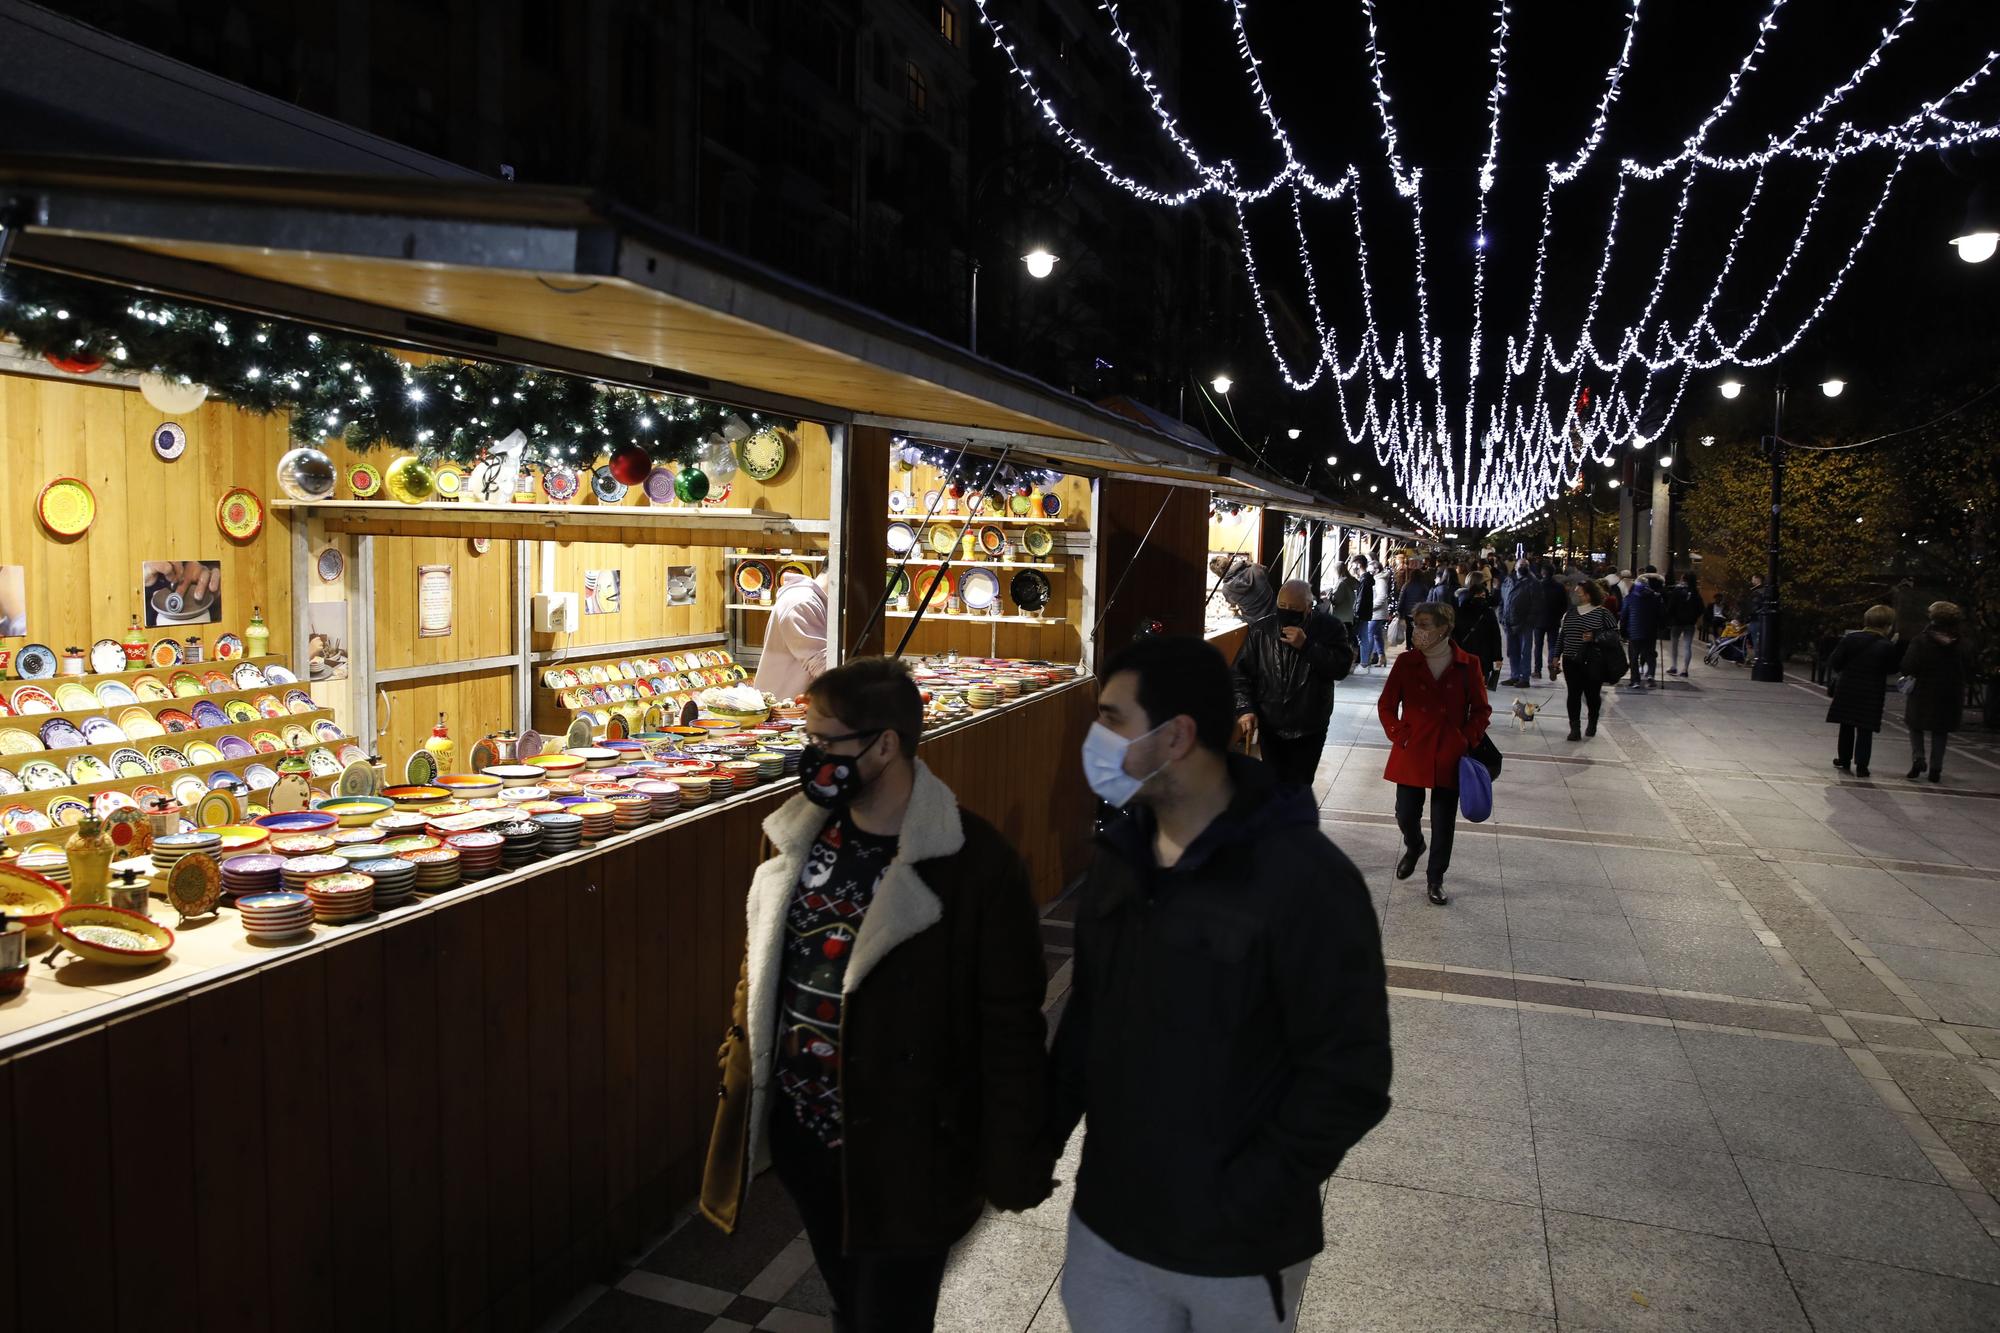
column 1433, row 709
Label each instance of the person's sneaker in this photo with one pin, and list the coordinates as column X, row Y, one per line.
column 1409, row 861
column 1575, row 735
column 1437, row 894
column 1590, row 727
column 1841, row 765
column 1860, row 772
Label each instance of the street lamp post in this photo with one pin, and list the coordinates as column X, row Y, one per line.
column 1770, row 663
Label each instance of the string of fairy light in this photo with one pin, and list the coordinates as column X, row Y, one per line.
column 1486, row 446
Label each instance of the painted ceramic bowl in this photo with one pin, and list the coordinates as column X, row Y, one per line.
column 354, row 811
column 112, row 935
column 298, row 821
column 31, row 899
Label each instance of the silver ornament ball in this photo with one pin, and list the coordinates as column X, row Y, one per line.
column 306, row 474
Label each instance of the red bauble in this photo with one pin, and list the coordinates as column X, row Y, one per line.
column 631, row 464
column 75, row 365
column 957, row 491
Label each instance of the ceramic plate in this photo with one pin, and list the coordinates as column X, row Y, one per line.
column 761, row 456
column 898, row 582
column 752, row 577
column 114, row 693
column 898, row 502
column 169, row 441
column 101, row 731
column 267, row 742
column 1030, row 590
column 991, row 541
column 421, row 769
column 66, row 507
column 175, row 721
column 234, row 747
column 932, row 499
column 67, row 811
column 189, row 790
column 206, row 714
column 901, row 538
column 41, row 775
column 258, row 777
column 298, row 701
column 324, row 763
column 325, row 729
column 58, row 734
column 136, row 722
column 528, row 744
column 1021, row 506
column 9, row 784
column 942, row 538
column 89, row 768
column 228, row 648
column 149, row 688
column 363, row 480
column 278, row 674
column 166, row 758
column 240, row 514
column 74, row 698
column 35, row 661
column 659, row 485
column 201, row 752
column 978, row 589
column 331, row 565
column 607, row 488
column 1051, row 504
column 559, row 483
column 107, row 657
column 248, row 677
column 20, row 819
column 165, row 653
column 186, row 685
column 450, row 480
column 127, row 762
column 357, row 779
column 219, row 810
column 1036, row 541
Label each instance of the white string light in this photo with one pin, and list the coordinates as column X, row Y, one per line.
column 1506, row 457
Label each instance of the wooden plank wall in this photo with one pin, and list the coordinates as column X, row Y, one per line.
column 452, row 1120
column 88, row 587
column 1167, row 574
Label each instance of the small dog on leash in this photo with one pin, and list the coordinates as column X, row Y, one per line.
column 1525, row 712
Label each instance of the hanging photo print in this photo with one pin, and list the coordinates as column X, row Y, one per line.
column 181, row 592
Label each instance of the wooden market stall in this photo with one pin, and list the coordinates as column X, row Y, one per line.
column 504, row 1086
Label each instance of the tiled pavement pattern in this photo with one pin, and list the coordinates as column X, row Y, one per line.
column 1709, row 1038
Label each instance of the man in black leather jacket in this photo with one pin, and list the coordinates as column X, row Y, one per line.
column 1284, row 677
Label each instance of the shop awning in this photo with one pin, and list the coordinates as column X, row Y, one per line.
column 553, row 276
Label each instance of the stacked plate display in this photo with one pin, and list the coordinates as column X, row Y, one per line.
column 744, row 773
column 49, row 865
column 599, row 819
column 410, row 842
column 665, row 796
column 521, row 843
column 395, row 880
column 344, row 896
column 291, row 845
column 406, row 821
column 356, row 837
column 694, row 789
column 172, row 847
column 298, row 869
column 478, row 852
column 561, row 832
column 270, row 918
column 770, row 764
column 437, row 868
column 252, row 872
column 595, row 756
column 630, row 810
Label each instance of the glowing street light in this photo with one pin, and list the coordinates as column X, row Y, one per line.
column 1040, row 261
column 1832, row 388
column 1222, row 384
column 1731, row 388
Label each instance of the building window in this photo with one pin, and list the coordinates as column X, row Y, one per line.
column 916, row 91
column 948, row 23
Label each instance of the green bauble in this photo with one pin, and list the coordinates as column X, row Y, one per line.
column 691, row 485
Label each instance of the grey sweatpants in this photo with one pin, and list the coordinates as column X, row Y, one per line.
column 1106, row 1291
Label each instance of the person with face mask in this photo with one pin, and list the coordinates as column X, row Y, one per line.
column 891, row 995
column 1227, row 1037
column 1433, row 709
column 1284, row 675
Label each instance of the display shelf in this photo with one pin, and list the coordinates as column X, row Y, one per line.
column 536, row 522
column 178, row 739
column 806, row 558
column 978, row 520
column 979, row 618
column 49, row 683
column 33, row 721
column 979, row 564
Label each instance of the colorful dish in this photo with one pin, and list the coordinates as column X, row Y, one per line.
column 176, row 721
column 991, row 540
column 228, row 648
column 559, row 483
column 107, row 656
column 607, row 488
column 901, row 538
column 101, row 731
column 112, row 935
column 149, row 688
column 67, row 507
column 170, row 441
column 74, row 698
column 113, row 693
column 753, row 577
column 364, row 481
column 60, row 734
column 1030, row 590
column 659, row 485
column 978, row 589
column 331, row 565
column 762, row 456
column 35, row 661
column 1036, row 541
column 165, row 653
column 240, row 513
column 942, row 538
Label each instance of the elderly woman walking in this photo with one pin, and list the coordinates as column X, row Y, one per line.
column 1433, row 709
column 1936, row 663
column 1858, row 672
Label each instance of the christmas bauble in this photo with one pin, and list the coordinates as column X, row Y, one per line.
column 718, row 459
column 306, row 474
column 75, row 365
column 691, row 486
column 174, row 397
column 630, row 464
column 410, row 480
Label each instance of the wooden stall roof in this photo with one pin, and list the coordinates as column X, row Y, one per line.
column 491, row 269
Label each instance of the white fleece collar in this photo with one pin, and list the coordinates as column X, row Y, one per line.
column 903, row 906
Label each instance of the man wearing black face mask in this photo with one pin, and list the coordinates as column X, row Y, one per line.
column 886, row 1052
column 1284, row 676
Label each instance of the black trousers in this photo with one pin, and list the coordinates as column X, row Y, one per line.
column 1444, row 823
column 1645, row 659
column 1295, row 761
column 1856, row 744
column 1581, row 677
column 1937, row 750
column 872, row 1293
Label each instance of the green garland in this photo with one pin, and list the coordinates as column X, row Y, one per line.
column 336, row 387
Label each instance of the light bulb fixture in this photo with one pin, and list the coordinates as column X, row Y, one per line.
column 1976, row 247
column 1333, row 460
column 1666, row 460
column 1040, row 261
column 1979, row 236
column 1833, row 388
column 1707, row 441
column 1612, row 483
column 1293, row 433
column 1222, row 384
column 1731, row 388
column 1357, row 476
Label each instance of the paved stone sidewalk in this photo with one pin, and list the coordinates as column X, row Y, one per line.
column 1708, row 1038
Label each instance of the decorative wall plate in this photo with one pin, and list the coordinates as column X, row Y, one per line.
column 420, row 769
column 208, row 714
column 1021, row 506
column 201, row 752
column 74, row 698
column 20, row 819
column 165, row 653
column 901, row 538
column 228, row 648
column 1051, row 504
column 481, row 545
column 166, row 758
column 234, row 747
column 194, row 885
column 978, row 589
column 297, row 737
column 761, row 456
column 528, row 744
column 137, row 722
column 992, row 541
column 150, row 690
column 298, row 701
column 185, row 685
column 41, row 775
column 932, row 499
column 1036, row 541
column 942, row 538
column 364, row 481
column 1030, row 590
column 127, row 762
column 324, row 763
column 934, row 578
column 67, row 507
column 898, row 501
column 88, row 768
column 898, row 582
column 9, row 784
column 176, row 721
column 358, row 779
column 580, row 734
column 114, row 694
column 240, row 513
column 35, row 661
column 450, row 480
column 752, row 577
column 325, row 729
column 169, row 441
column 276, row 673
column 67, row 811
column 248, row 677
column 258, row 777
column 107, row 657
column 217, row 809
column 559, row 483
column 331, row 565
column 18, row 740
column 607, row 488
column 101, row 731
column 58, row 734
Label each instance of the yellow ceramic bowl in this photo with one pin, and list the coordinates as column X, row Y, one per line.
column 113, row 935
column 355, row 811
column 31, row 899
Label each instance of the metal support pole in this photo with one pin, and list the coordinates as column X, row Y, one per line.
column 1770, row 664
column 972, row 333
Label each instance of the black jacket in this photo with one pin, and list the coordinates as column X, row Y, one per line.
column 1683, row 605
column 1291, row 689
column 1555, row 601
column 1228, row 1035
column 1364, row 598
column 1859, row 669
column 1415, row 592
column 1937, row 700
column 1477, row 629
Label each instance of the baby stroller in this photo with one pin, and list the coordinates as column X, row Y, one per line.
column 1733, row 645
